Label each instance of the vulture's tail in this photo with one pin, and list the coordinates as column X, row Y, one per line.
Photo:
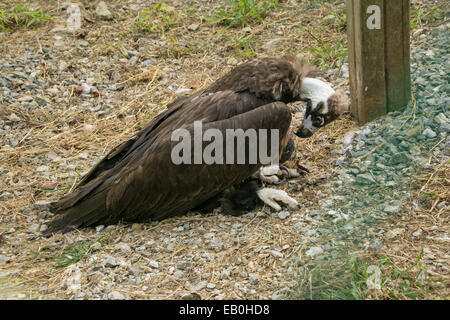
column 78, row 210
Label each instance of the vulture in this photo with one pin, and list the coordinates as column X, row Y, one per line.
column 138, row 180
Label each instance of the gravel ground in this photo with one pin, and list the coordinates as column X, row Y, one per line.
column 65, row 101
column 381, row 161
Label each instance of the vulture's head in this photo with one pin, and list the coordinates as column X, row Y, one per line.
column 324, row 105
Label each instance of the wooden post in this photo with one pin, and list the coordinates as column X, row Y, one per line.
column 379, row 57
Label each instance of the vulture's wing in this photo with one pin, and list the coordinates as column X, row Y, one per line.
column 118, row 153
column 144, row 183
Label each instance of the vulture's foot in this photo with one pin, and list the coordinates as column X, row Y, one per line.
column 270, row 197
column 276, row 174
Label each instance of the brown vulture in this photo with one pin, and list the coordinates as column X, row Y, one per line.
column 137, row 181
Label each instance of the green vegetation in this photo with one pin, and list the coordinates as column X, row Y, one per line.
column 326, row 56
column 245, row 46
column 75, row 253
column 238, row 13
column 24, row 15
column 314, row 4
column 392, row 282
column 160, row 18
column 419, row 16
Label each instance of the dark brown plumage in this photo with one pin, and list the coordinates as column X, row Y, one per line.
column 137, row 180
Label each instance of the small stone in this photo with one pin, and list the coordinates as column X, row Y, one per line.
column 429, row 133
column 365, row 179
column 153, row 264
column 96, row 246
column 199, row 286
column 283, row 214
column 191, row 296
column 184, row 265
column 314, row 251
column 4, row 259
column 125, row 248
column 254, row 279
column 232, row 62
column 276, row 253
column 42, row 168
column 374, row 280
column 85, row 88
column 34, row 228
column 441, row 205
column 393, row 233
column 273, row 44
column 416, row 234
column 13, row 117
column 391, row 209
column 99, row 228
column 73, row 283
column 5, row 196
column 210, row 285
column 182, row 92
column 89, row 127
column 135, row 271
column 193, row 27
column 110, row 262
column 25, row 99
column 237, row 226
column 115, row 295
column 102, row 11
column 179, row 275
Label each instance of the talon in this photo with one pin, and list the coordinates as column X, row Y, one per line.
column 286, row 169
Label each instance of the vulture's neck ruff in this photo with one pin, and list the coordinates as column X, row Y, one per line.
column 316, row 91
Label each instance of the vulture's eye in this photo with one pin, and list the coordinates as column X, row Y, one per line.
column 318, row 121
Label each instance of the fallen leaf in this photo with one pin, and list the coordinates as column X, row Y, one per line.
column 77, row 90
column 64, row 145
column 195, row 85
column 50, row 186
column 16, row 84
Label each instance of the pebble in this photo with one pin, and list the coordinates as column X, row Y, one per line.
column 393, row 233
column 124, row 247
column 42, row 168
column 273, row 44
column 276, row 253
column 102, row 11
column 33, row 228
column 417, row 234
column 391, row 209
column 110, row 262
column 4, row 259
column 179, row 275
column 115, row 295
column 153, row 264
column 314, row 251
column 429, row 133
column 14, row 117
column 182, row 92
column 283, row 214
column 193, row 27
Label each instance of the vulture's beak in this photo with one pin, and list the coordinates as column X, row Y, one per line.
column 303, row 132
column 306, row 129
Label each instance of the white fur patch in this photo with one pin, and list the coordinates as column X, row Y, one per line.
column 316, row 91
column 269, row 196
